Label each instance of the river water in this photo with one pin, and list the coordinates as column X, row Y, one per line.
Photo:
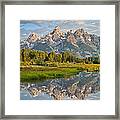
column 83, row 86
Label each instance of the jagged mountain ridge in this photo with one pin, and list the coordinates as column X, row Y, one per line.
column 79, row 41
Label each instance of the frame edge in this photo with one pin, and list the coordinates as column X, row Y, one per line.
column 117, row 27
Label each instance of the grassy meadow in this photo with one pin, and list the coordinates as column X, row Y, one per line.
column 39, row 65
column 63, row 70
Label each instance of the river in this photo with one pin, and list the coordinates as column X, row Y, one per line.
column 83, row 86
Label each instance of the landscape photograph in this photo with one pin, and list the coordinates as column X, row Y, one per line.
column 60, row 60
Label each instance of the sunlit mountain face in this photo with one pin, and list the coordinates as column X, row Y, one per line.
column 78, row 36
column 43, row 27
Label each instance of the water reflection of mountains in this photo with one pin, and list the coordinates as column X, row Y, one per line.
column 75, row 87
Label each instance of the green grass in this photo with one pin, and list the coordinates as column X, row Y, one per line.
column 65, row 70
column 50, row 74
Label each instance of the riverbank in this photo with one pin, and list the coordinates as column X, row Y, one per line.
column 40, row 73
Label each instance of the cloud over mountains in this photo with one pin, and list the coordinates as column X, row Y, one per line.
column 42, row 27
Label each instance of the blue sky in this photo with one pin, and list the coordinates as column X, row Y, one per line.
column 43, row 27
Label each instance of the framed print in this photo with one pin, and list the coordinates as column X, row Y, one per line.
column 60, row 60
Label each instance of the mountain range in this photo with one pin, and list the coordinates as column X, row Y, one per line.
column 80, row 42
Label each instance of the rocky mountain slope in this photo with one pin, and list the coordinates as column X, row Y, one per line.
column 79, row 42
